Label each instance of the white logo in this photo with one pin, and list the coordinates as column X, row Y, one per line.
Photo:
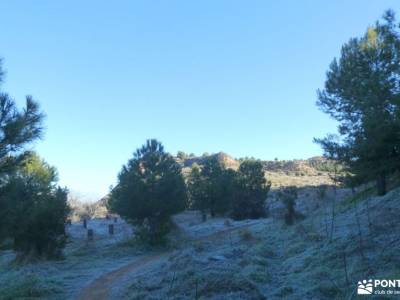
column 365, row 287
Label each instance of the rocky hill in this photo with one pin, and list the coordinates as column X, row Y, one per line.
column 299, row 172
column 227, row 160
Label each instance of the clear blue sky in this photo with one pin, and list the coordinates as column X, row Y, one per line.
column 233, row 76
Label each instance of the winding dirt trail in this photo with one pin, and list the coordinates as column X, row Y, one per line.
column 100, row 288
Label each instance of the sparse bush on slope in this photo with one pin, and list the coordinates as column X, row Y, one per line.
column 288, row 196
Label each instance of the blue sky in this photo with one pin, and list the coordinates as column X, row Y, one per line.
column 201, row 76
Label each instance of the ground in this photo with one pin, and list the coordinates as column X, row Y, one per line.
column 224, row 259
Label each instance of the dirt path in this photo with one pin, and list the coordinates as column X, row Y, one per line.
column 100, row 288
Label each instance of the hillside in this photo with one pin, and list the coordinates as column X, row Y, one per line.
column 268, row 260
column 301, row 173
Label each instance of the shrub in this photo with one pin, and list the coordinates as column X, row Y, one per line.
column 321, row 191
column 246, row 235
column 37, row 210
column 288, row 196
column 150, row 189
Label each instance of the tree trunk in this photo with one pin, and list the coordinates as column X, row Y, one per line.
column 381, row 184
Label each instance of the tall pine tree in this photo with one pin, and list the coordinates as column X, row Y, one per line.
column 362, row 92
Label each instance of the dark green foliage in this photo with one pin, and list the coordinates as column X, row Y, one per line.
column 182, row 155
column 211, row 188
column 219, row 191
column 288, row 196
column 36, row 210
column 197, row 190
column 362, row 93
column 17, row 129
column 251, row 190
column 150, row 189
column 321, row 191
column 325, row 165
column 219, row 186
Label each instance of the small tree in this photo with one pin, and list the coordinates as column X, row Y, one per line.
column 211, row 188
column 150, row 189
column 288, row 196
column 37, row 209
column 218, row 186
column 251, row 190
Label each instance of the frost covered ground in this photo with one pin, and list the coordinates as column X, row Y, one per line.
column 84, row 261
column 224, row 259
column 269, row 260
column 87, row 260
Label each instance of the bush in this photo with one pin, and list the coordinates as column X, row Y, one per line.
column 150, row 189
column 246, row 235
column 37, row 210
column 288, row 196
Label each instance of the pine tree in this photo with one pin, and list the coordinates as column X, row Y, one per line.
column 36, row 209
column 362, row 93
column 250, row 191
column 17, row 129
column 218, row 186
column 196, row 185
column 150, row 190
